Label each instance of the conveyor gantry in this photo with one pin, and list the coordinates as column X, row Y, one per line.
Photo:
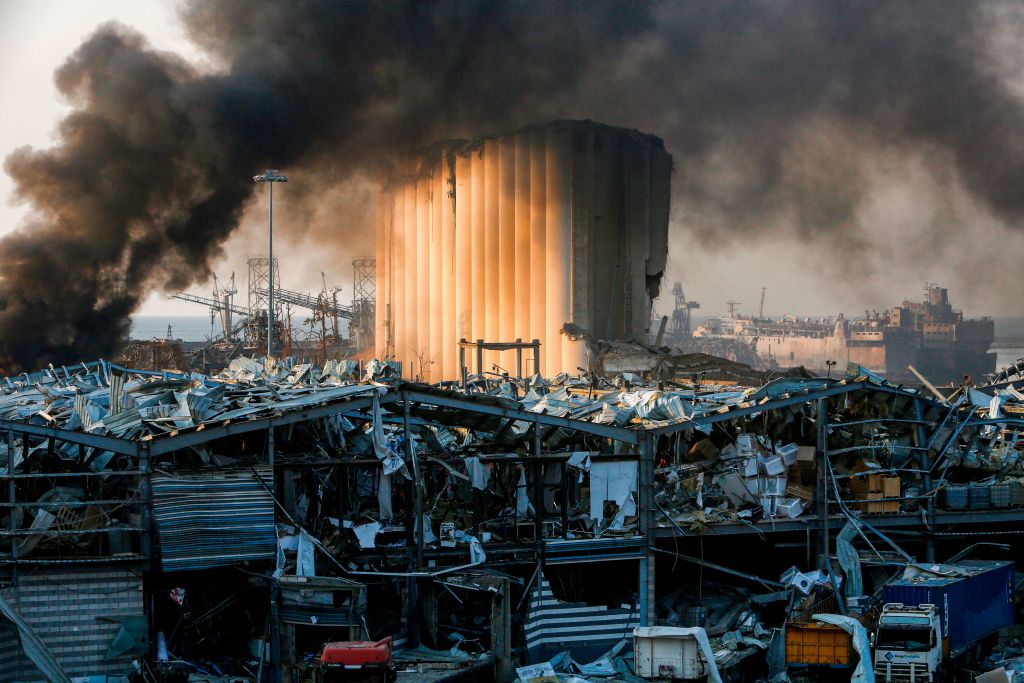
column 313, row 303
column 212, row 303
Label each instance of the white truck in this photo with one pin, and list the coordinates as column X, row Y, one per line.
column 938, row 616
column 908, row 643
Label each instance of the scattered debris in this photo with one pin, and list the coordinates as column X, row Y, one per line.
column 498, row 522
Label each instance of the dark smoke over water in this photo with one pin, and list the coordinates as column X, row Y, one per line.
column 777, row 114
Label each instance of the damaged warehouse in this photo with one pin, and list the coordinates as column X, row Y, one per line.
column 191, row 527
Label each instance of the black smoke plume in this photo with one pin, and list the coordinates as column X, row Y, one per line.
column 776, row 112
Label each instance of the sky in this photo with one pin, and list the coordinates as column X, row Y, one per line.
column 38, row 36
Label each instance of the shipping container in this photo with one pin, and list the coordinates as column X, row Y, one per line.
column 975, row 598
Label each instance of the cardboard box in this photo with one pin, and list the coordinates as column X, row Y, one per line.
column 891, row 486
column 881, row 506
column 805, row 455
column 859, row 486
column 799, row 475
column 795, row 490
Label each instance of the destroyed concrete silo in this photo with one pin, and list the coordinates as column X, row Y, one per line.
column 551, row 232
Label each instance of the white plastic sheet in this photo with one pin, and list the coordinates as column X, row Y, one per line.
column 384, row 497
column 305, row 564
column 864, row 673
column 428, row 532
column 479, row 474
column 580, row 460
column 367, row 534
column 613, row 481
column 476, row 550
column 523, row 504
column 390, row 460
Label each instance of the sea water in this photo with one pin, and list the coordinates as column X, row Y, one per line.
column 197, row 329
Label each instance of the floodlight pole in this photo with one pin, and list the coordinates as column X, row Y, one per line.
column 270, row 176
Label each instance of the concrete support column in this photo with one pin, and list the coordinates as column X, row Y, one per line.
column 521, row 323
column 422, row 353
column 447, row 203
column 478, row 248
column 463, row 249
column 558, row 255
column 492, row 250
column 435, row 238
column 506, row 263
column 410, row 328
column 538, row 243
column 385, row 270
column 396, row 279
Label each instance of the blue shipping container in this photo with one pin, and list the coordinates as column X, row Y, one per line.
column 971, row 606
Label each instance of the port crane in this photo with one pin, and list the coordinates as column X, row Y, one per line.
column 681, row 314
column 327, row 311
column 222, row 303
column 212, row 303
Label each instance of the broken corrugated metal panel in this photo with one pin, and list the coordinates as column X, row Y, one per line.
column 34, row 646
column 590, row 630
column 214, row 519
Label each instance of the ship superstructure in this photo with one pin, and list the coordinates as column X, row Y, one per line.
column 930, row 335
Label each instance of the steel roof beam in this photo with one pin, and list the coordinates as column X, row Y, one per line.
column 105, row 443
column 168, row 444
column 773, row 404
column 608, row 431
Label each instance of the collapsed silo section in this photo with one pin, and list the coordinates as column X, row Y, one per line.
column 556, row 232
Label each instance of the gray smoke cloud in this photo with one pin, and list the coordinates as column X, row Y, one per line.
column 784, row 118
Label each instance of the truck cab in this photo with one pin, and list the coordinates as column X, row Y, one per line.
column 908, row 643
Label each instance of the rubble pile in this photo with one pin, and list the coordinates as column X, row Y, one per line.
column 465, row 520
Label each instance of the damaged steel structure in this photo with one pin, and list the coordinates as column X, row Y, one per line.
column 230, row 525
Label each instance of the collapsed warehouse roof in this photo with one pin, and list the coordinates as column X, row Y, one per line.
column 349, row 480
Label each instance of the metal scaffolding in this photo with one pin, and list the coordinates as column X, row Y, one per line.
column 259, row 282
column 364, row 301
